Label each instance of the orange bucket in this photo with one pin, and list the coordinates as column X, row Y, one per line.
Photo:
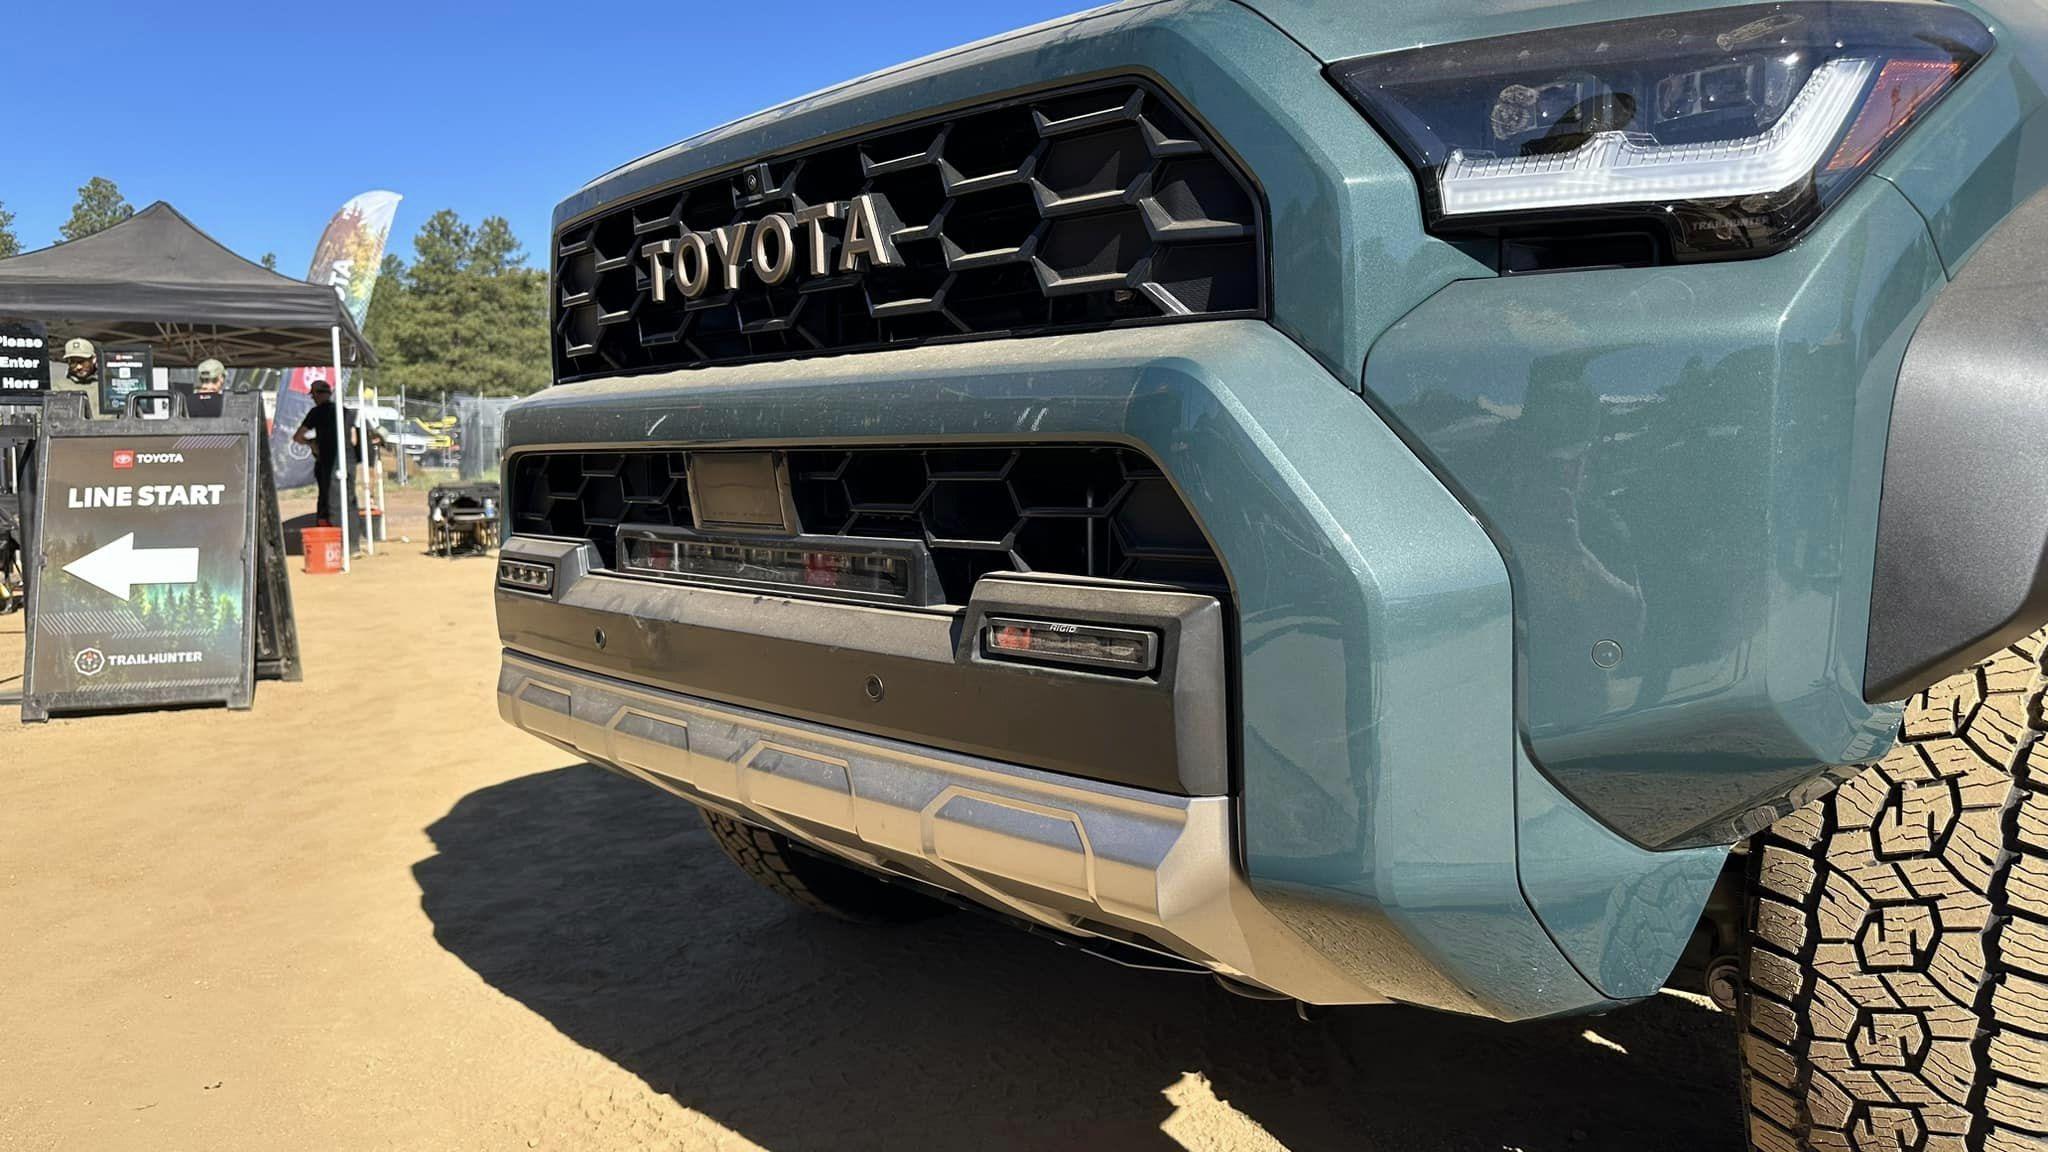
column 323, row 549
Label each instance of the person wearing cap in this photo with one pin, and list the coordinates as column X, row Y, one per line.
column 206, row 399
column 82, row 373
column 317, row 432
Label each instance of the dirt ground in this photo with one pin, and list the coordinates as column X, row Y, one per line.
column 367, row 915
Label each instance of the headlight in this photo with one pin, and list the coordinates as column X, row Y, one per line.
column 1705, row 135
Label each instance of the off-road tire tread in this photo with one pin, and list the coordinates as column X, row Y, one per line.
column 1897, row 962
column 812, row 882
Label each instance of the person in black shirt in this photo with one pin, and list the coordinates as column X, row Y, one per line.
column 317, row 432
column 206, row 398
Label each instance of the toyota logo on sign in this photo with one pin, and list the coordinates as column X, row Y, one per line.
column 123, row 458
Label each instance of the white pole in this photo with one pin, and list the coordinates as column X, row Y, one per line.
column 369, row 483
column 403, row 480
column 340, row 446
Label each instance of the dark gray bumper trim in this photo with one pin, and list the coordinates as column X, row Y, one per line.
column 907, row 674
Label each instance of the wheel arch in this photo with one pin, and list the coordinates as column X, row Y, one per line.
column 1962, row 534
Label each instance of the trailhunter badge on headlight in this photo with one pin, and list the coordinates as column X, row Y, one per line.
column 1719, row 133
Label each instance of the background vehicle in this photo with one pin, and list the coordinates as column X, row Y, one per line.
column 1373, row 522
column 412, row 443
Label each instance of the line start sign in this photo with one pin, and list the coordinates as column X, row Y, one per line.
column 143, row 591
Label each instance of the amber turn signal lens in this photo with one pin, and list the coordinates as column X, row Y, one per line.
column 1900, row 91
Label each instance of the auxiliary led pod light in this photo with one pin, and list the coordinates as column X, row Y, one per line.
column 1727, row 132
column 522, row 576
column 1132, row 650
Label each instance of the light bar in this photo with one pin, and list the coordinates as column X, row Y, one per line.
column 1087, row 645
column 889, row 572
column 521, row 576
column 1626, row 168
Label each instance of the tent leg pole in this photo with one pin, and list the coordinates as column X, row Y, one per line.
column 340, row 447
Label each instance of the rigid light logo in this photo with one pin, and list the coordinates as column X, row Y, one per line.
column 89, row 661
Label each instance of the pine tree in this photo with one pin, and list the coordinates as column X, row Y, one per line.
column 10, row 244
column 387, row 304
column 270, row 261
column 493, row 250
column 203, row 606
column 467, row 315
column 100, row 206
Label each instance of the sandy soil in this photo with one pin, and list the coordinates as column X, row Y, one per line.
column 367, row 915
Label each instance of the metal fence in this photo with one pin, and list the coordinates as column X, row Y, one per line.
column 465, row 433
column 483, row 434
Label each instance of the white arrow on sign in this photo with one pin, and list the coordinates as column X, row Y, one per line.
column 119, row 566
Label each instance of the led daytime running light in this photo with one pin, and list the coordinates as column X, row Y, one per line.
column 1619, row 168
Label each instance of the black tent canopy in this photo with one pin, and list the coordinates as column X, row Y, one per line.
column 156, row 279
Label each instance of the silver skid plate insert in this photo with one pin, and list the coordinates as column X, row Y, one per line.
column 1078, row 856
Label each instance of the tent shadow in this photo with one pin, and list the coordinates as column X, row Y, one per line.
column 294, row 541
column 605, row 907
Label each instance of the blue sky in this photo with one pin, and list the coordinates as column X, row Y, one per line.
column 258, row 120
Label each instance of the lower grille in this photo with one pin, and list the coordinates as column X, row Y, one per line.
column 1073, row 510
column 589, row 495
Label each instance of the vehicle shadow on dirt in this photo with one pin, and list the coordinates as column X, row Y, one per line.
column 606, row 908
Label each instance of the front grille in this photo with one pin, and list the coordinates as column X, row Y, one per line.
column 1080, row 208
column 1076, row 510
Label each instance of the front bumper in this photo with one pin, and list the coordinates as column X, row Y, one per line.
column 1376, row 773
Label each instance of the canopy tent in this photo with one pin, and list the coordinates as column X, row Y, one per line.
column 156, row 279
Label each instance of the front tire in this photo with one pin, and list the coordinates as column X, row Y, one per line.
column 813, row 882
column 1897, row 992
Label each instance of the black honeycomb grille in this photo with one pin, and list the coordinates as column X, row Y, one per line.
column 1081, row 208
column 1077, row 510
column 588, row 495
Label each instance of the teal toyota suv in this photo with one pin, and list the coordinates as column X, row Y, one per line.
column 1499, row 506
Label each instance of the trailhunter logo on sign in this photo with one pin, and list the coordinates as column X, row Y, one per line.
column 89, row 662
